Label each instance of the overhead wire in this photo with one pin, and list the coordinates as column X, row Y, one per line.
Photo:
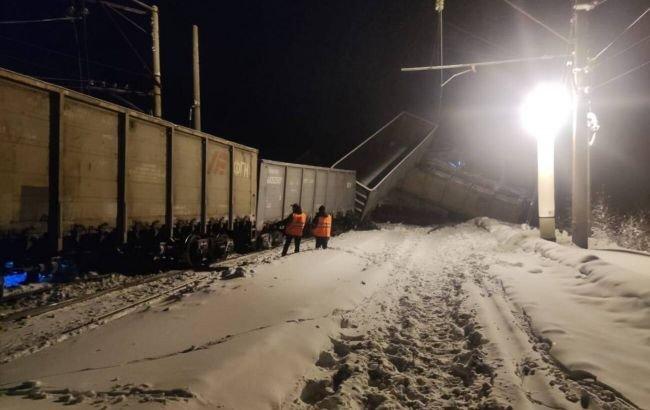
column 485, row 63
column 641, row 41
column 474, row 36
column 621, row 34
column 141, row 4
column 63, row 54
column 617, row 77
column 125, row 17
column 539, row 22
column 72, row 80
column 85, row 29
column 49, row 20
column 29, row 62
column 126, row 39
column 79, row 65
column 121, row 7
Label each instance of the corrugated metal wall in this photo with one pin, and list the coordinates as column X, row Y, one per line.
column 283, row 184
column 24, row 135
column 146, row 172
column 218, row 172
column 187, row 176
column 89, row 165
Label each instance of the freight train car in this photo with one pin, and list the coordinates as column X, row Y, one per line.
column 283, row 184
column 83, row 176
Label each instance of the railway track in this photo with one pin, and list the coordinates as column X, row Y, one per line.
column 48, row 308
column 32, row 330
column 131, row 306
column 39, row 310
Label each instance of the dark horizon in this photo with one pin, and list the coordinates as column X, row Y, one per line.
column 310, row 81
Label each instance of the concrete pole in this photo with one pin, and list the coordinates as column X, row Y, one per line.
column 155, row 48
column 546, row 187
column 197, row 78
column 440, row 8
column 580, row 190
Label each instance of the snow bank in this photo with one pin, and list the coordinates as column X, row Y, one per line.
column 595, row 312
column 608, row 279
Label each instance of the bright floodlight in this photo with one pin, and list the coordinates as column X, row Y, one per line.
column 545, row 110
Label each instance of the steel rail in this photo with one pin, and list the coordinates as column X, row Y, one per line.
column 40, row 310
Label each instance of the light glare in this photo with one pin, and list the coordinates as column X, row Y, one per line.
column 545, row 110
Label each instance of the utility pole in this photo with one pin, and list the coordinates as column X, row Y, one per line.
column 580, row 189
column 440, row 7
column 196, row 107
column 155, row 48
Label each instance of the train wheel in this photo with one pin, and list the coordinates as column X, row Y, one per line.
column 197, row 251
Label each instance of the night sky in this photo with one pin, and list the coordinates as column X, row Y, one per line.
column 308, row 80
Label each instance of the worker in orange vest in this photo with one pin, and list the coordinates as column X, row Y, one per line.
column 322, row 227
column 294, row 225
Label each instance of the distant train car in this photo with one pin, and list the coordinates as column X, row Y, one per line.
column 78, row 173
column 282, row 184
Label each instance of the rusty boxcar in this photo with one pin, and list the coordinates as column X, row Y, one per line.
column 78, row 172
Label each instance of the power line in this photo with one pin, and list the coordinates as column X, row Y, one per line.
column 29, row 62
column 474, row 36
column 484, row 63
column 115, row 10
column 97, row 63
column 55, row 19
column 141, row 4
column 121, row 7
column 60, row 79
column 85, row 28
column 76, row 40
column 469, row 70
column 600, row 53
column 126, row 39
column 604, row 83
column 644, row 39
column 531, row 17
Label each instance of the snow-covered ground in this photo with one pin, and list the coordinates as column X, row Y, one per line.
column 480, row 314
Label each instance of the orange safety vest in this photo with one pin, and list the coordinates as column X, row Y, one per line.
column 297, row 224
column 323, row 228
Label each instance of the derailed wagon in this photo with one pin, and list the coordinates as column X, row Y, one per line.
column 84, row 177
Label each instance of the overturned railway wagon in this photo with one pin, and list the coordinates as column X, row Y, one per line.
column 79, row 173
column 384, row 158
